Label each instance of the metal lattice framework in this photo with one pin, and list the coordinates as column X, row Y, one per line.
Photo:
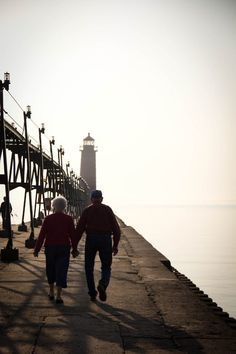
column 29, row 166
column 52, row 179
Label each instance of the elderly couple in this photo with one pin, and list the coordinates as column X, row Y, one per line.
column 59, row 234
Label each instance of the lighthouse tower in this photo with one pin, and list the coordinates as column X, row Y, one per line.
column 88, row 162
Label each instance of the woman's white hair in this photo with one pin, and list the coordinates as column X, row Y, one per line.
column 59, row 203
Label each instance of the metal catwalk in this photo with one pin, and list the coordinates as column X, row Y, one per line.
column 26, row 164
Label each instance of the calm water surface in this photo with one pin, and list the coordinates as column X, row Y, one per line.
column 199, row 241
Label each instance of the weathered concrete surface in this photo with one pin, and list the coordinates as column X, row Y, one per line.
column 149, row 308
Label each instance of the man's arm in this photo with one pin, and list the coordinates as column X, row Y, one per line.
column 116, row 233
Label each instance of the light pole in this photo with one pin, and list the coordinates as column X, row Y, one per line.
column 67, row 167
column 8, row 254
column 23, row 226
column 59, row 174
column 80, row 198
column 60, row 162
column 52, row 142
column 71, row 197
column 75, row 195
column 30, row 242
column 41, row 131
column 77, row 201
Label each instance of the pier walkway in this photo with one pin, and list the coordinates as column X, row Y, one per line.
column 149, row 309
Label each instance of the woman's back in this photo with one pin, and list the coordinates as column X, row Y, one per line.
column 57, row 229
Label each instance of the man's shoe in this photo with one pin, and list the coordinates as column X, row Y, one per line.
column 93, row 298
column 102, row 292
column 59, row 301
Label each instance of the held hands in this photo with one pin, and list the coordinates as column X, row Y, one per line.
column 75, row 253
column 114, row 250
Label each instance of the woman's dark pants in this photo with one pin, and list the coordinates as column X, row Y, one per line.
column 103, row 245
column 57, row 264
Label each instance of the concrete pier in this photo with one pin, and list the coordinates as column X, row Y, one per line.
column 151, row 308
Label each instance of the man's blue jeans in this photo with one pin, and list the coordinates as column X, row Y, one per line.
column 103, row 245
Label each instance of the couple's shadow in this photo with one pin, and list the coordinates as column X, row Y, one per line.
column 142, row 334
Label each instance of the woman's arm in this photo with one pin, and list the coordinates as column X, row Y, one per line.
column 41, row 238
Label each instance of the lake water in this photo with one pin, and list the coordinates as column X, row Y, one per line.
column 200, row 241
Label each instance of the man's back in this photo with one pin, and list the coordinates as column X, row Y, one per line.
column 3, row 207
column 98, row 218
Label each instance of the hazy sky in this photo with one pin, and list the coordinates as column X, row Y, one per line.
column 154, row 83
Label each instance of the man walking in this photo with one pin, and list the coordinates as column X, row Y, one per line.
column 99, row 223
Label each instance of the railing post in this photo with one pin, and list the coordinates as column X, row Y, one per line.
column 30, row 242
column 52, row 142
column 41, row 131
column 8, row 254
column 23, row 226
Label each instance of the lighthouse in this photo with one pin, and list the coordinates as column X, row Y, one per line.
column 88, row 162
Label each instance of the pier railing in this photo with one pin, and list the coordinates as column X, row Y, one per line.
column 26, row 162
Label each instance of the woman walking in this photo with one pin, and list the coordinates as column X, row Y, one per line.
column 57, row 234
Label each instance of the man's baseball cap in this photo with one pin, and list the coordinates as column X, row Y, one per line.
column 96, row 194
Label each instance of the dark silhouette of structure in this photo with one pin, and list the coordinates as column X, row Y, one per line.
column 30, row 166
column 88, row 162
